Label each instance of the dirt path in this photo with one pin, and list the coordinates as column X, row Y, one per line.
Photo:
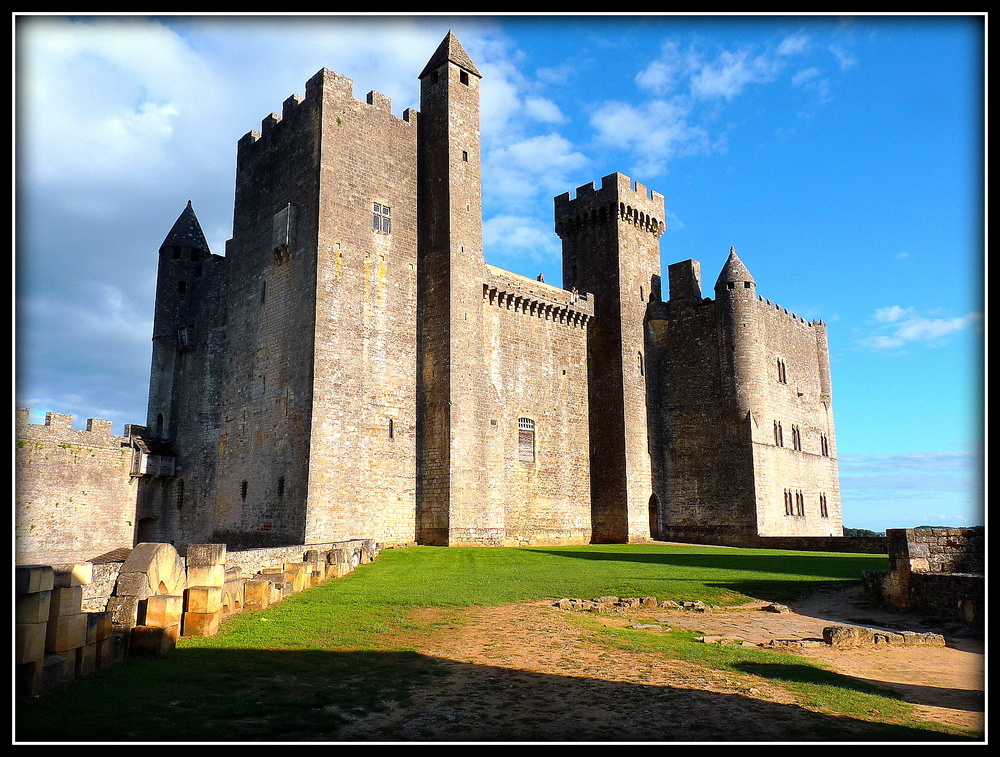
column 527, row 672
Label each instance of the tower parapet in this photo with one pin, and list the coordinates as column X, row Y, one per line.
column 618, row 198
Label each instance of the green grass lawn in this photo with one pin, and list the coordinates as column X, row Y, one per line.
column 293, row 670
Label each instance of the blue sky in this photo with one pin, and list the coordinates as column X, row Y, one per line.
column 841, row 156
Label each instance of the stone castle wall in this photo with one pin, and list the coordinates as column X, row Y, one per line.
column 937, row 571
column 73, row 495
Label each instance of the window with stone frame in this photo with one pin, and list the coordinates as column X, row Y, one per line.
column 381, row 218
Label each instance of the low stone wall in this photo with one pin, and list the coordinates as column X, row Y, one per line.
column 935, row 571
column 76, row 619
column 872, row 545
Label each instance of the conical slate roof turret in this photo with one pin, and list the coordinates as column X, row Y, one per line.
column 186, row 232
column 734, row 270
column 450, row 49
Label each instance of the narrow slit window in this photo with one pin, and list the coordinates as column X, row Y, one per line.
column 526, row 440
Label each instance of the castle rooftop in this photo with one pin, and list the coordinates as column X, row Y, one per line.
column 186, row 232
column 450, row 49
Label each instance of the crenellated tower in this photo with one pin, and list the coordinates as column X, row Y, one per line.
column 610, row 239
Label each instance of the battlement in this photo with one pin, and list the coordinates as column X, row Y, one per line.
column 58, row 429
column 617, row 198
column 536, row 298
column 785, row 311
column 322, row 86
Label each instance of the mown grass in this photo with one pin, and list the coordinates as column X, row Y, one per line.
column 299, row 669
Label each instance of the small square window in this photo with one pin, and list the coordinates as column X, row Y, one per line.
column 463, row 77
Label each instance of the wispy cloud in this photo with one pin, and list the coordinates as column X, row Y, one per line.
column 690, row 88
column 908, row 490
column 903, row 327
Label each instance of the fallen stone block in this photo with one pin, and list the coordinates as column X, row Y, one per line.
column 124, row 612
column 72, row 574
column 201, row 623
column 32, row 608
column 29, row 642
column 257, row 594
column 66, row 632
column 66, row 601
column 205, row 555
column 31, row 578
column 154, row 640
column 163, row 610
column 203, row 599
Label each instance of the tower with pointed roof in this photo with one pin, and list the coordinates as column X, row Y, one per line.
column 744, row 440
column 353, row 368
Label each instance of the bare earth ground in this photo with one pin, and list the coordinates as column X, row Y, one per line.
column 527, row 672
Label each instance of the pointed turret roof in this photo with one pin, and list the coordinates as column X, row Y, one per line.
column 450, row 49
column 186, row 232
column 734, row 270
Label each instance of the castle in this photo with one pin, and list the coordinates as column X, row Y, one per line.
column 352, row 368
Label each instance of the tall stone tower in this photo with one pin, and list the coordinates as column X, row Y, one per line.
column 610, row 239
column 742, row 413
column 188, row 335
column 452, row 478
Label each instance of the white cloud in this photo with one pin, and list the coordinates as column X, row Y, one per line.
column 520, row 238
column 655, row 131
column 794, row 44
column 544, row 110
column 906, row 327
column 730, row 73
column 535, row 167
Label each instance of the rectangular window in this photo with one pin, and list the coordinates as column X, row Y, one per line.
column 824, row 513
column 526, row 440
column 381, row 218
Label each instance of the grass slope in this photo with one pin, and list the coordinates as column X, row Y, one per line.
column 293, row 671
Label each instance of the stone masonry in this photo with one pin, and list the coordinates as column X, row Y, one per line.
column 352, row 368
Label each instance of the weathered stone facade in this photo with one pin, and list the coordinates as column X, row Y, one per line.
column 353, row 369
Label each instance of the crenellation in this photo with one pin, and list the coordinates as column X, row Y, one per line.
column 352, row 367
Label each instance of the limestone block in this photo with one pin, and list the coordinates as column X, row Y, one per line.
column 161, row 563
column 332, row 571
column 133, row 584
column 256, row 594
column 73, row 574
column 202, row 623
column 113, row 649
column 66, row 632
column 124, row 612
column 86, row 660
column 154, row 640
column 66, row 601
column 163, row 610
column 32, row 608
column 31, row 578
column 206, row 555
column 202, row 599
column 101, row 621
column 206, row 575
column 57, row 669
column 29, row 642
column 28, row 679
column 298, row 575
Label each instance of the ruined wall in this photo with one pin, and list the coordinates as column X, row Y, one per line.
column 937, row 571
column 73, row 495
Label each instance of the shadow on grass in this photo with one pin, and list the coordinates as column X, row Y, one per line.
column 817, row 571
column 229, row 695
column 969, row 700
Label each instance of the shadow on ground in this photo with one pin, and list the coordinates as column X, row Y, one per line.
column 310, row 695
